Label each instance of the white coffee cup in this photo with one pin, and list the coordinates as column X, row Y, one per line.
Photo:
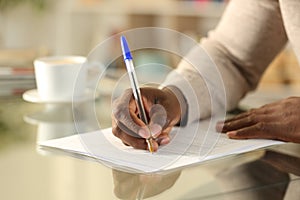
column 60, row 78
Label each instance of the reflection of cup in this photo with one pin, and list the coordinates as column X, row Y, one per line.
column 57, row 120
column 56, row 77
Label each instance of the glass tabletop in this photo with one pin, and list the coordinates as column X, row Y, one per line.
column 28, row 173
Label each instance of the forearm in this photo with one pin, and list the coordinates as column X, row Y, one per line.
column 238, row 51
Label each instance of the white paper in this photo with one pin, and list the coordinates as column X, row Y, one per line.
column 190, row 145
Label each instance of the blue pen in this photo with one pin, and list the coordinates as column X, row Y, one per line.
column 135, row 87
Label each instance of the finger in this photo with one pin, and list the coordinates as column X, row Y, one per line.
column 125, row 113
column 158, row 115
column 273, row 104
column 237, row 123
column 124, row 128
column 240, row 116
column 158, row 119
column 163, row 140
column 154, row 146
column 267, row 109
column 259, row 130
column 246, row 118
column 164, row 137
column 167, row 130
column 127, row 139
column 234, row 125
column 246, row 121
column 137, row 143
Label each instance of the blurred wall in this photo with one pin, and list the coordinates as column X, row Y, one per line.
column 76, row 26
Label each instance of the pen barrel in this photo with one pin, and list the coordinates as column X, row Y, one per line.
column 136, row 90
column 140, row 106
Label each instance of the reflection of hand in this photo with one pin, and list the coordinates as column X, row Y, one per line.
column 133, row 186
column 162, row 109
column 279, row 120
column 283, row 162
column 257, row 179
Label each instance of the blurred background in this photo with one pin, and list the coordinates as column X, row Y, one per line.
column 34, row 28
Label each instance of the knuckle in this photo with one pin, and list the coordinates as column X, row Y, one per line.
column 261, row 126
column 255, row 111
column 286, row 114
column 227, row 125
column 251, row 118
column 252, row 110
column 290, row 127
column 288, row 101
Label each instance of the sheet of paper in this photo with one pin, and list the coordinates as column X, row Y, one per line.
column 190, row 145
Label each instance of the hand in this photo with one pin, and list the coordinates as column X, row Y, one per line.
column 163, row 111
column 279, row 120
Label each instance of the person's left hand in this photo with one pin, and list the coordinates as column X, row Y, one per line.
column 279, row 120
column 283, row 162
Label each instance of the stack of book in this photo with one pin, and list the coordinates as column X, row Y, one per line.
column 14, row 81
column 16, row 70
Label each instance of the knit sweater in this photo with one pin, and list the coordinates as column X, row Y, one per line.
column 235, row 54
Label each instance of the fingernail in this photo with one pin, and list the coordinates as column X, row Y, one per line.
column 144, row 132
column 165, row 140
column 155, row 130
column 231, row 133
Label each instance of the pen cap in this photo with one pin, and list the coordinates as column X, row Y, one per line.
column 125, row 49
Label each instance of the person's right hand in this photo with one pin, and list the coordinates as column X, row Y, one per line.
column 140, row 186
column 283, row 162
column 163, row 111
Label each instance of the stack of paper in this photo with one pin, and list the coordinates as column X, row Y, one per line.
column 190, row 145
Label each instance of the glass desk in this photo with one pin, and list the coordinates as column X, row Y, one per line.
column 28, row 173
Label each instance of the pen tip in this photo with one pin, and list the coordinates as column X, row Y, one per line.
column 150, row 145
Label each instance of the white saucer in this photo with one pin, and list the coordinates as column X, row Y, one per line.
column 33, row 97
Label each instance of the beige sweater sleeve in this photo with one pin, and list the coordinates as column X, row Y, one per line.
column 249, row 35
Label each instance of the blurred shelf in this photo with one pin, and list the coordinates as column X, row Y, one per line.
column 194, row 18
column 159, row 8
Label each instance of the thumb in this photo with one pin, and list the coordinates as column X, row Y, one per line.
column 158, row 119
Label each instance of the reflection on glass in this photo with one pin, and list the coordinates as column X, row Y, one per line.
column 57, row 120
column 268, row 177
column 140, row 186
